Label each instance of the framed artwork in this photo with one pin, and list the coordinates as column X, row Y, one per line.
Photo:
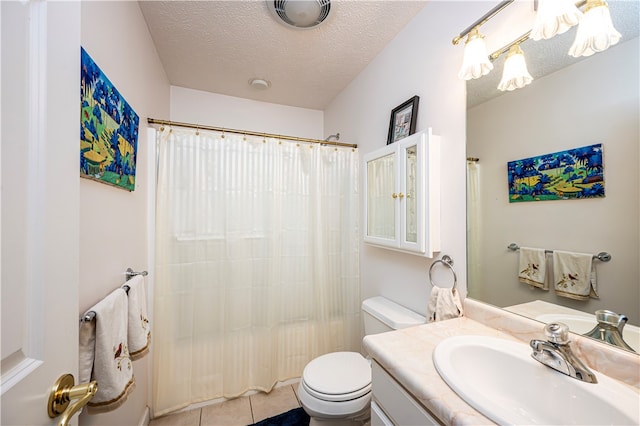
column 108, row 129
column 403, row 120
column 571, row 174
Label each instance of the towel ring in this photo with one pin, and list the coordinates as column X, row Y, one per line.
column 448, row 262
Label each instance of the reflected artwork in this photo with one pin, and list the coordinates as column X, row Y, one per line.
column 571, row 174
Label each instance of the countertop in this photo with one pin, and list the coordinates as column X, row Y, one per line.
column 407, row 355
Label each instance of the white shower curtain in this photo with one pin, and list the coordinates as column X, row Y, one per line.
column 256, row 262
column 473, row 228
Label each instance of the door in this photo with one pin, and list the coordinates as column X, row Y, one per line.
column 39, row 122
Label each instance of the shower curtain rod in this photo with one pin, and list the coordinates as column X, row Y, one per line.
column 246, row 132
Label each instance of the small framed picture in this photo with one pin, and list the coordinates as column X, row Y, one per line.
column 403, row 120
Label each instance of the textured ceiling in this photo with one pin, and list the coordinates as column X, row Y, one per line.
column 218, row 46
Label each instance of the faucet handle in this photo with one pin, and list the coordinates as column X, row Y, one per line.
column 611, row 318
column 557, row 333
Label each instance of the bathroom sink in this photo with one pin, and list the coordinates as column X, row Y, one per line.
column 582, row 324
column 500, row 379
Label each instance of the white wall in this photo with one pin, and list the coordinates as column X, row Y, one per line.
column 197, row 107
column 421, row 61
column 113, row 222
column 593, row 101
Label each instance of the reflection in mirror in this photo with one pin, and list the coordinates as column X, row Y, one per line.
column 594, row 100
column 411, row 200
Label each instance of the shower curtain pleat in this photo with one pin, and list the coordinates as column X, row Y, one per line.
column 256, row 263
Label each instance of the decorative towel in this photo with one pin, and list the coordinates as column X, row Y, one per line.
column 574, row 275
column 532, row 268
column 444, row 304
column 104, row 353
column 139, row 334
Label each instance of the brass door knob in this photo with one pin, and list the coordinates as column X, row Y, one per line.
column 63, row 392
column 394, row 195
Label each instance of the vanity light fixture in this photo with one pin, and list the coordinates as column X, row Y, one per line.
column 595, row 32
column 476, row 61
column 554, row 17
column 515, row 74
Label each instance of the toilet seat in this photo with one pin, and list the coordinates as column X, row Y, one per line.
column 337, row 376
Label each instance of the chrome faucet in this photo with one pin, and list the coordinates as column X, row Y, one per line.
column 609, row 329
column 556, row 353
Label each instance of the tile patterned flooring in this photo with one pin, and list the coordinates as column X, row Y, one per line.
column 241, row 411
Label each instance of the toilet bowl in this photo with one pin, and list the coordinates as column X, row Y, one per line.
column 335, row 388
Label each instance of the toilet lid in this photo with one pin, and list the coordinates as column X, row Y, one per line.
column 338, row 376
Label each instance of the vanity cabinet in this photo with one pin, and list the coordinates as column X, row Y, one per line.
column 402, row 187
column 392, row 404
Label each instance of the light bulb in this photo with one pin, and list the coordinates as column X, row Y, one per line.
column 476, row 61
column 554, row 17
column 595, row 32
column 515, row 74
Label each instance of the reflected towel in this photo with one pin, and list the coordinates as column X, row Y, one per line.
column 574, row 275
column 104, row 354
column 532, row 267
column 444, row 303
column 139, row 332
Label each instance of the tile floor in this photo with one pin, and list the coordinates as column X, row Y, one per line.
column 241, row 411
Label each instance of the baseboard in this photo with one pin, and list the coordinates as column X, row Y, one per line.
column 144, row 420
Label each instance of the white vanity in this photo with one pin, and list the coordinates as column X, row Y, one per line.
column 407, row 388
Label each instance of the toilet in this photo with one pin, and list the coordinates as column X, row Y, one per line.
column 335, row 388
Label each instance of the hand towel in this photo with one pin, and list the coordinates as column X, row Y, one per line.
column 104, row 354
column 444, row 303
column 574, row 275
column 139, row 332
column 532, row 268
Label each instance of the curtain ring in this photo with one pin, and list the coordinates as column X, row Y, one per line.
column 448, row 262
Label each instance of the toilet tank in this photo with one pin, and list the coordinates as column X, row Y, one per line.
column 381, row 315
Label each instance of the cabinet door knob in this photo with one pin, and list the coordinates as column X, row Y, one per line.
column 394, row 195
column 401, row 195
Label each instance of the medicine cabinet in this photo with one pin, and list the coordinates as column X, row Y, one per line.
column 402, row 187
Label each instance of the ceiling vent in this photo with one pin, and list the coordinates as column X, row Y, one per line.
column 300, row 14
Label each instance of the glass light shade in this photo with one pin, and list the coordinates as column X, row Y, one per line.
column 595, row 32
column 515, row 74
column 476, row 61
column 554, row 17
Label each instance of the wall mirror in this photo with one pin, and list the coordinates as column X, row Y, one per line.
column 571, row 103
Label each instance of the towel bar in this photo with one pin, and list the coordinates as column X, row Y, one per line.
column 602, row 256
column 448, row 262
column 89, row 316
column 131, row 273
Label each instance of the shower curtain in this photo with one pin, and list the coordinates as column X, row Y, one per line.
column 473, row 228
column 256, row 262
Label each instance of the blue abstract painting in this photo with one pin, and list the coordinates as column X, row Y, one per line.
column 108, row 129
column 571, row 174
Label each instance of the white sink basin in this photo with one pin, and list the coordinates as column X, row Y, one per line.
column 500, row 379
column 582, row 324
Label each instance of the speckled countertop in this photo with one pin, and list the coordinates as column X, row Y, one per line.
column 407, row 355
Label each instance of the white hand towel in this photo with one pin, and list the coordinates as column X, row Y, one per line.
column 574, row 275
column 139, row 334
column 104, row 354
column 444, row 303
column 532, row 267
